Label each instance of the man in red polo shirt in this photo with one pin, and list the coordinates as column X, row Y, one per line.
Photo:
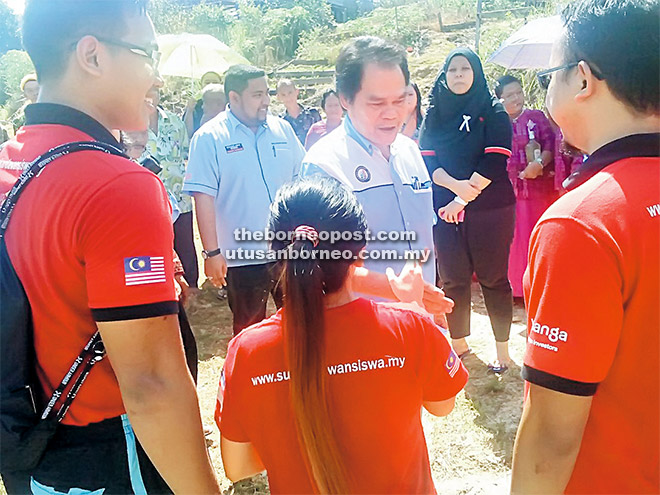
column 590, row 423
column 91, row 241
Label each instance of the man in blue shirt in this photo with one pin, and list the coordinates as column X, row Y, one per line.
column 368, row 155
column 237, row 163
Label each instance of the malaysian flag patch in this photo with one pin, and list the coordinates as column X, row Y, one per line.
column 140, row 270
column 453, row 364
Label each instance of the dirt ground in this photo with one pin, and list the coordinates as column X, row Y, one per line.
column 470, row 450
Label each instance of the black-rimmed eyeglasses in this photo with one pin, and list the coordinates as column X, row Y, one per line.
column 545, row 76
column 152, row 54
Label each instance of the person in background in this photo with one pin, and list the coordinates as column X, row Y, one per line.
column 300, row 117
column 413, row 122
column 350, row 375
column 135, row 145
column 213, row 102
column 466, row 141
column 532, row 177
column 238, row 161
column 168, row 143
column 30, row 90
column 192, row 116
column 592, row 365
column 384, row 169
column 334, row 114
column 567, row 159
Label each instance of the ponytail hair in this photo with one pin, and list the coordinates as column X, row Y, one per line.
column 310, row 207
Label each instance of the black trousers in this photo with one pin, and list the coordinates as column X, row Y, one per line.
column 184, row 245
column 98, row 456
column 19, row 483
column 480, row 244
column 247, row 293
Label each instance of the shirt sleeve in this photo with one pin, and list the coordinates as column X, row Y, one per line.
column 126, row 243
column 442, row 372
column 575, row 307
column 228, row 408
column 497, row 150
column 203, row 172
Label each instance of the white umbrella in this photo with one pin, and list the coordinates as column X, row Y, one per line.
column 530, row 46
column 193, row 55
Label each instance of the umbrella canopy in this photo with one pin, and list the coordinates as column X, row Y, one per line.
column 193, row 55
column 530, row 46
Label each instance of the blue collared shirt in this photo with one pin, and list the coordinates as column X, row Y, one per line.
column 242, row 171
column 395, row 194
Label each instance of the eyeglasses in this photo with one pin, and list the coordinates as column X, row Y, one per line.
column 152, row 54
column 545, row 76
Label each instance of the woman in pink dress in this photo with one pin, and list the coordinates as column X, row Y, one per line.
column 333, row 115
column 533, row 180
column 567, row 160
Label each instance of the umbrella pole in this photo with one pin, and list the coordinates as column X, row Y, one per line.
column 192, row 78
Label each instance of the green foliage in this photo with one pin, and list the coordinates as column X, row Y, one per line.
column 9, row 37
column 171, row 17
column 404, row 25
column 14, row 65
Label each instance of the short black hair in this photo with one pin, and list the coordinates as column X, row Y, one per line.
column 620, row 41
column 238, row 76
column 52, row 27
column 326, row 94
column 360, row 52
column 504, row 81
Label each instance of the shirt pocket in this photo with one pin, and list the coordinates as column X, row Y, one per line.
column 280, row 149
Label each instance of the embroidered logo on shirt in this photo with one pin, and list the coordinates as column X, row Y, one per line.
column 233, row 148
column 140, row 270
column 362, row 174
column 453, row 364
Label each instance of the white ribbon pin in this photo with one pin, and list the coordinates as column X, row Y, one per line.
column 466, row 123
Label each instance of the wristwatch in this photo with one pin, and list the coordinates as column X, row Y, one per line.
column 210, row 254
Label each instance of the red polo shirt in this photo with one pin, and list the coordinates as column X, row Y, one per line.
column 382, row 362
column 91, row 240
column 592, row 292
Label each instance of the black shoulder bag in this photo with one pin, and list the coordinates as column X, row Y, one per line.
column 26, row 425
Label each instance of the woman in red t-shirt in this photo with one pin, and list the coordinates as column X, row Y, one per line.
column 326, row 394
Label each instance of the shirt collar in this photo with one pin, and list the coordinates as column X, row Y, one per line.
column 53, row 113
column 234, row 122
column 303, row 109
column 353, row 133
column 634, row 146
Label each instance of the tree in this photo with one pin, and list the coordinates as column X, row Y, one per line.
column 9, row 37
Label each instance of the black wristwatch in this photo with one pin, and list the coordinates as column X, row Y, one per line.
column 210, row 254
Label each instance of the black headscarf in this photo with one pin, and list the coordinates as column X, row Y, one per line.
column 445, row 114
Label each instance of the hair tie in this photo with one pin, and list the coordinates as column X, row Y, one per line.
column 306, row 233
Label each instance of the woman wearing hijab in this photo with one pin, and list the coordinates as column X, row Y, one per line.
column 466, row 141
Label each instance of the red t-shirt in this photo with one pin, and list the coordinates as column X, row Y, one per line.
column 382, row 363
column 91, row 240
column 592, row 293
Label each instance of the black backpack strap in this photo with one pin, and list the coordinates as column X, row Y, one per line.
column 94, row 351
column 35, row 168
